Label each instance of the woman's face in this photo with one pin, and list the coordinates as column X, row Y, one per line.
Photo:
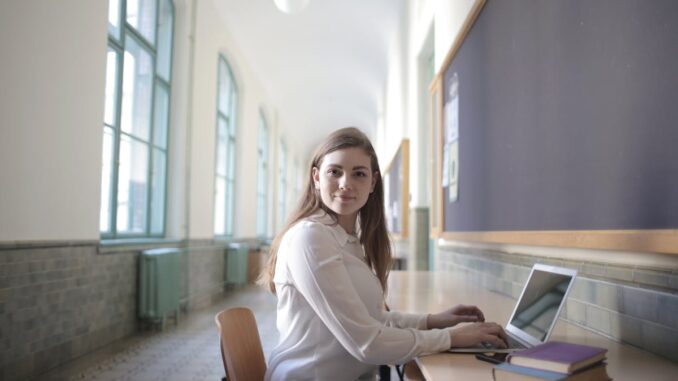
column 345, row 180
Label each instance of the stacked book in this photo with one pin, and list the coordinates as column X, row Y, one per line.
column 554, row 361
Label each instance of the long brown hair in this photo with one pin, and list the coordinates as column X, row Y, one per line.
column 371, row 219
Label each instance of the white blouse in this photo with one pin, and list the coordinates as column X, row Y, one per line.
column 331, row 315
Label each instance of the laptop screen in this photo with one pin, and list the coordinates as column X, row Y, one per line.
column 541, row 301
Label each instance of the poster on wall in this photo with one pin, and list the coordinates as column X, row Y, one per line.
column 451, row 146
column 453, row 171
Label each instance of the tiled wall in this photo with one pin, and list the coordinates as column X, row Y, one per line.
column 637, row 306
column 59, row 301
column 206, row 267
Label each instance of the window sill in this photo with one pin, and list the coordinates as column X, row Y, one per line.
column 110, row 246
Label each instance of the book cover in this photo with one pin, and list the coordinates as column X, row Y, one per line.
column 558, row 356
column 510, row 372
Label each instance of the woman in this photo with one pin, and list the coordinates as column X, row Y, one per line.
column 329, row 269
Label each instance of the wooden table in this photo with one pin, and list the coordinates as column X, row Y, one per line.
column 421, row 291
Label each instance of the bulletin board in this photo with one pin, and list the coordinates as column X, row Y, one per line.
column 396, row 191
column 557, row 125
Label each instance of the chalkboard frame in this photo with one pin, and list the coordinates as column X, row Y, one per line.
column 436, row 194
column 402, row 188
column 648, row 240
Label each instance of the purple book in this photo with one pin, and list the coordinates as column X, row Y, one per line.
column 558, row 356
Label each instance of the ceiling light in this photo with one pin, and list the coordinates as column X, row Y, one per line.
column 291, row 6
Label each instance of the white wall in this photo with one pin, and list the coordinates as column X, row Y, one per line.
column 392, row 128
column 449, row 18
column 420, row 36
column 51, row 115
column 54, row 64
column 403, row 118
column 213, row 38
column 178, row 168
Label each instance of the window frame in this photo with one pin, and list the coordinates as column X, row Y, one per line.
column 118, row 44
column 229, row 144
column 262, row 177
column 282, row 183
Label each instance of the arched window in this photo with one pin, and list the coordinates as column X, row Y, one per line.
column 262, row 178
column 136, row 118
column 224, row 176
column 282, row 183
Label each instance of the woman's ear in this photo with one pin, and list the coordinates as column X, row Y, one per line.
column 315, row 173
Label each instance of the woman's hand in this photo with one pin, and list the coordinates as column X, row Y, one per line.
column 475, row 334
column 455, row 315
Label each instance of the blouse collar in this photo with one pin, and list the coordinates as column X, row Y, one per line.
column 339, row 233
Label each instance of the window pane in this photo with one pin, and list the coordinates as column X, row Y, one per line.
column 221, row 158
column 141, row 16
column 282, row 165
column 219, row 209
column 165, row 21
column 161, row 116
column 224, row 87
column 260, row 177
column 132, row 186
column 158, row 192
column 231, row 159
column 221, row 147
column 106, row 178
column 232, row 116
column 229, row 207
column 262, row 180
column 137, row 92
column 110, row 110
column 222, row 129
column 264, row 217
column 114, row 18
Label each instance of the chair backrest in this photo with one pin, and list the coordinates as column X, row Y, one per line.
column 241, row 345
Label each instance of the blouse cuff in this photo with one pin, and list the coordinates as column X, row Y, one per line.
column 435, row 340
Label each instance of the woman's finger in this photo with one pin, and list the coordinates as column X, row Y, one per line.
column 496, row 341
column 497, row 331
column 468, row 318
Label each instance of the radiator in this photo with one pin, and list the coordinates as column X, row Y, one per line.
column 159, row 284
column 236, row 264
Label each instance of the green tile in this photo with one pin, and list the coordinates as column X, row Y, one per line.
column 593, row 269
column 660, row 340
column 667, row 310
column 576, row 311
column 619, row 273
column 651, row 278
column 639, row 303
column 608, row 296
column 630, row 330
column 597, row 319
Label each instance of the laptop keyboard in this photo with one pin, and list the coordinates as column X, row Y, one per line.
column 513, row 343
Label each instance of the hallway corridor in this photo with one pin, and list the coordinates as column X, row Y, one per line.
column 188, row 351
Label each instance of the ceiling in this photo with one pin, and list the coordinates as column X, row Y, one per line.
column 323, row 68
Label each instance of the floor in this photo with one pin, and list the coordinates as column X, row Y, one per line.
column 187, row 351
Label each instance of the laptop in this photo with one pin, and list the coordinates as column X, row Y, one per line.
column 536, row 311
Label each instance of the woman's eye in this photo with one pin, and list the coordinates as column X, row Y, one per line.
column 333, row 172
column 361, row 174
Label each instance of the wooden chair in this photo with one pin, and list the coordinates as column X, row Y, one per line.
column 240, row 345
